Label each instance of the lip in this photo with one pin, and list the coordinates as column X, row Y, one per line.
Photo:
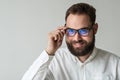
column 78, row 45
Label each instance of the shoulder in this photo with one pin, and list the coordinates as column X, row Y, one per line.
column 61, row 56
column 62, row 52
column 107, row 55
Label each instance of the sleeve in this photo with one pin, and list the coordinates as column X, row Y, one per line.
column 38, row 70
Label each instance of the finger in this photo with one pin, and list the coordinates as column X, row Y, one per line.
column 62, row 28
column 61, row 33
column 50, row 35
column 57, row 35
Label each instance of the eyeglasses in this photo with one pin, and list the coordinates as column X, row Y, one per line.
column 83, row 32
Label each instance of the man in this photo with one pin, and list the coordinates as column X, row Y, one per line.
column 80, row 60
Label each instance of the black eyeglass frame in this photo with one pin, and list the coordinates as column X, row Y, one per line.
column 77, row 30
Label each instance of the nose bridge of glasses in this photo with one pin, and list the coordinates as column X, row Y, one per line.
column 77, row 31
column 77, row 36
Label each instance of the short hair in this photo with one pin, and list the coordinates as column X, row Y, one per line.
column 82, row 8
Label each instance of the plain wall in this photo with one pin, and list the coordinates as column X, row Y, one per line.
column 24, row 25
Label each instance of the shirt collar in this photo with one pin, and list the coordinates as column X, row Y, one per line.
column 90, row 58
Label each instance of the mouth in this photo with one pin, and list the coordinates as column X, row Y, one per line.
column 79, row 44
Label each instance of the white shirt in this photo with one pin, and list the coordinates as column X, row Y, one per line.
column 101, row 65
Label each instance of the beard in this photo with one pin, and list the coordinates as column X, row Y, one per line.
column 87, row 48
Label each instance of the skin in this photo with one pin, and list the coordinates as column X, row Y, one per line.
column 74, row 21
column 78, row 22
column 55, row 39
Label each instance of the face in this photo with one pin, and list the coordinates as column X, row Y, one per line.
column 80, row 45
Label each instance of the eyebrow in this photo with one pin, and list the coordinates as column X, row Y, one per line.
column 78, row 29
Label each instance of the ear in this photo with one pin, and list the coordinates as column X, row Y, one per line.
column 95, row 28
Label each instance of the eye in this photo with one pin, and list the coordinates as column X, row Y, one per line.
column 70, row 32
column 83, row 31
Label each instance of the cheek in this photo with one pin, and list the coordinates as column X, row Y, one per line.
column 88, row 39
column 68, row 39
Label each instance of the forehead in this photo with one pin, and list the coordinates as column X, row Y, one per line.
column 78, row 21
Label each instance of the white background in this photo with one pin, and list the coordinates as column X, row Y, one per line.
column 24, row 25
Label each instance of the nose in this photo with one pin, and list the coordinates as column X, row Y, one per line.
column 77, row 37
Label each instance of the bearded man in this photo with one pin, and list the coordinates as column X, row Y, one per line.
column 80, row 60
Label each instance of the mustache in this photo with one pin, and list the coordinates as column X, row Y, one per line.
column 79, row 41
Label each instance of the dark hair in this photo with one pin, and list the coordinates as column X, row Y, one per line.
column 82, row 8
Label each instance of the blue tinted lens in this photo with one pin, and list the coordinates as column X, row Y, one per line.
column 70, row 32
column 83, row 32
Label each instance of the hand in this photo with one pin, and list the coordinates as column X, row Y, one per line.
column 55, row 39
